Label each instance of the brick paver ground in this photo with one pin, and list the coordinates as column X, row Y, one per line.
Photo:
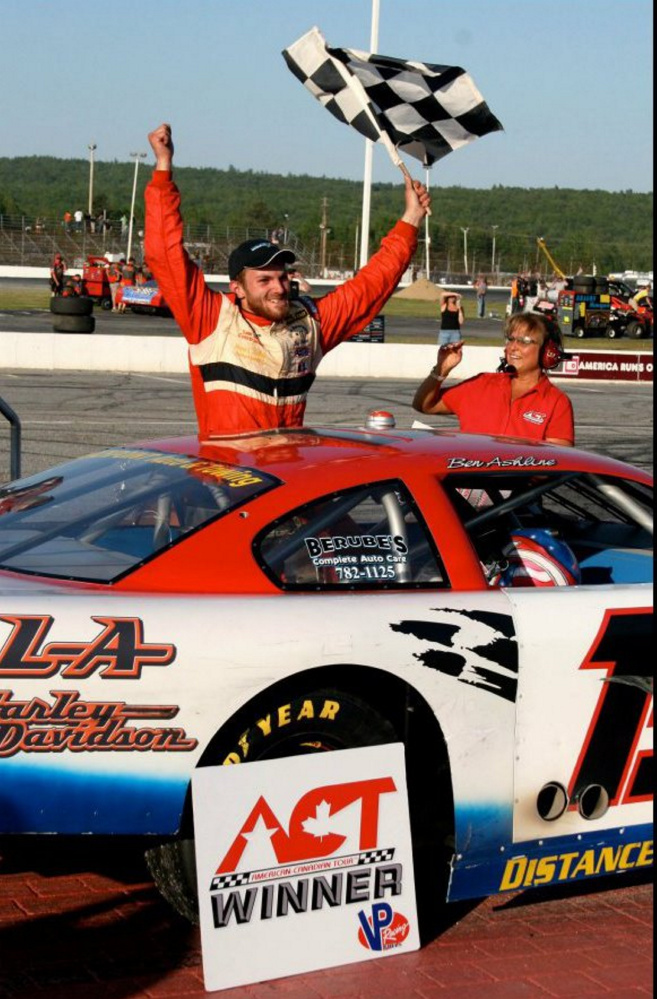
column 83, row 921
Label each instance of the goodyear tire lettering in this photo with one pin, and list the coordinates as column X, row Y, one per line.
column 304, row 710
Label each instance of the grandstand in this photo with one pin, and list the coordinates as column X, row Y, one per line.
column 33, row 242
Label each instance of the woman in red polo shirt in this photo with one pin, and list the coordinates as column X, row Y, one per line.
column 519, row 401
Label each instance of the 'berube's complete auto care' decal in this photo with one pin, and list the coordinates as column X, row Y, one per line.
column 63, row 720
column 476, row 647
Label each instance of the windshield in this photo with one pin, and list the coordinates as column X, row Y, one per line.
column 97, row 518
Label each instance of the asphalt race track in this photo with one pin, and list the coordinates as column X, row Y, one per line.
column 65, row 414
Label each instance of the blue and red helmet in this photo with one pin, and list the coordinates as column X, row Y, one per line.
column 535, row 557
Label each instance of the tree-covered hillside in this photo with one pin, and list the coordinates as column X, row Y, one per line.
column 612, row 230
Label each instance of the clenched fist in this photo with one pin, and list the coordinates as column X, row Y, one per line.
column 162, row 145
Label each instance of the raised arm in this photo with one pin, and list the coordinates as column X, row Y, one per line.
column 427, row 398
column 195, row 306
column 347, row 310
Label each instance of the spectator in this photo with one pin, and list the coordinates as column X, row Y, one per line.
column 68, row 218
column 253, row 352
column 642, row 297
column 57, row 272
column 519, row 400
column 128, row 280
column 79, row 219
column 481, row 287
column 114, row 278
column 72, row 286
column 451, row 318
column 302, row 285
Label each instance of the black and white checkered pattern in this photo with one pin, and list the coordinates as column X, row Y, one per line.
column 376, row 856
column 424, row 110
column 230, row 880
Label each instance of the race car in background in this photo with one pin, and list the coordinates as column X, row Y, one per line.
column 485, row 601
column 145, row 297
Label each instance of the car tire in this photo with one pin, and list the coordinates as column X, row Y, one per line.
column 75, row 305
column 173, row 865
column 579, row 332
column 635, row 330
column 106, row 304
column 74, row 324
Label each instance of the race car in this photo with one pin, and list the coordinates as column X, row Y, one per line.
column 145, row 297
column 486, row 601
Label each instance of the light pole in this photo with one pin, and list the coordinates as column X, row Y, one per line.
column 465, row 247
column 369, row 146
column 91, row 147
column 323, row 233
column 492, row 258
column 137, row 156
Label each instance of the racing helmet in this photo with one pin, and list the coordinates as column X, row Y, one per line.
column 534, row 557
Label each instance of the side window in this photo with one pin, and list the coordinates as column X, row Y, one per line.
column 371, row 537
column 558, row 529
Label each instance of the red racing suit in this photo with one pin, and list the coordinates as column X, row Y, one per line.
column 247, row 372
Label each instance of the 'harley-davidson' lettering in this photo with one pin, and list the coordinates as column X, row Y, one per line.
column 68, row 723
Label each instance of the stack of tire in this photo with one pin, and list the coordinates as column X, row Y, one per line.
column 72, row 314
column 590, row 284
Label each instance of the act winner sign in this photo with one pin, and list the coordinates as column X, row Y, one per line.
column 303, row 863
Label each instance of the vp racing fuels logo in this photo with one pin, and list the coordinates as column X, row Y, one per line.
column 64, row 720
column 272, row 869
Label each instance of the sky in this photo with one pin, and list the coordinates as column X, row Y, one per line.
column 570, row 80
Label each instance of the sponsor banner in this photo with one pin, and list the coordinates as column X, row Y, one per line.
column 617, row 365
column 141, row 294
column 374, row 332
column 303, row 863
column 559, row 862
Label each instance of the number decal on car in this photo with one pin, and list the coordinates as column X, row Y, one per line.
column 614, row 754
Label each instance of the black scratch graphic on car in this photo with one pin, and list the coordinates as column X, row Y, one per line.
column 475, row 647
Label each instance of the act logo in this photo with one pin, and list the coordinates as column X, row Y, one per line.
column 311, row 833
column 383, row 929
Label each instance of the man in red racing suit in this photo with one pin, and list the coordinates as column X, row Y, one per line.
column 253, row 352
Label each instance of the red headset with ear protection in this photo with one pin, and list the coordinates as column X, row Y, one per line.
column 552, row 353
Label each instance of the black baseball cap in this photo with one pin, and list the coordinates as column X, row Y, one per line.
column 256, row 253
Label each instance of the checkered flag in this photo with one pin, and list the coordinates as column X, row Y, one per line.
column 376, row 856
column 424, row 110
column 229, row 880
